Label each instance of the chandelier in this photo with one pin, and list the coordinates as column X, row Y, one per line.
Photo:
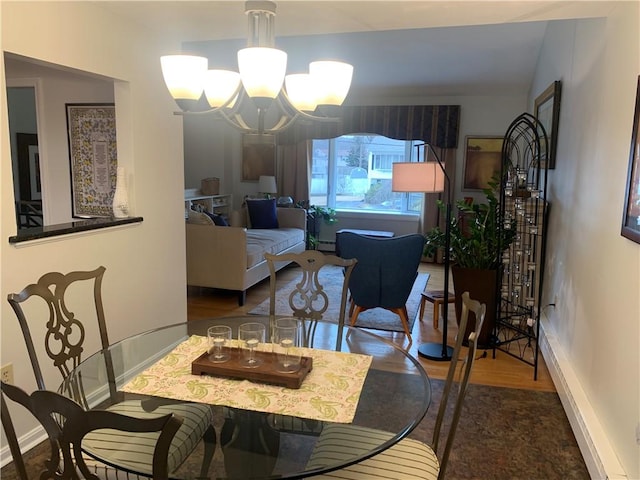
column 261, row 78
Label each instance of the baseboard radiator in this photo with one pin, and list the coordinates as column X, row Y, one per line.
column 599, row 456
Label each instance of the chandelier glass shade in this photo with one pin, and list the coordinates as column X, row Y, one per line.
column 261, row 77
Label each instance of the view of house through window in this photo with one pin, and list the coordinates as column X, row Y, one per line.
column 353, row 172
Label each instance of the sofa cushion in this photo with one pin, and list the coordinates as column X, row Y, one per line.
column 262, row 213
column 261, row 241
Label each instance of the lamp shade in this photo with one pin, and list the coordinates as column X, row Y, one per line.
column 417, row 177
column 184, row 75
column 219, row 85
column 332, row 80
column 267, row 184
column 262, row 71
column 301, row 90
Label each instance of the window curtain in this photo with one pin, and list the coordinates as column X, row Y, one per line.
column 293, row 165
column 434, row 124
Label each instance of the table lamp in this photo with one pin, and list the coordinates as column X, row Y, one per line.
column 429, row 177
column 267, row 185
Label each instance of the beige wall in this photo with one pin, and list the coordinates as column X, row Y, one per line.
column 593, row 273
column 144, row 285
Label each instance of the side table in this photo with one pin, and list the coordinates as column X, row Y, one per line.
column 437, row 298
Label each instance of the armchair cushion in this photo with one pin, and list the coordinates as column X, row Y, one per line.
column 262, row 213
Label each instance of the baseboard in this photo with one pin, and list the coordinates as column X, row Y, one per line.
column 27, row 442
column 599, row 456
column 38, row 434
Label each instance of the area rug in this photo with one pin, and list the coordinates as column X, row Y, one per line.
column 503, row 434
column 331, row 278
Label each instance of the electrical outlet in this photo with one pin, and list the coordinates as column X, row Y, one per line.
column 6, row 374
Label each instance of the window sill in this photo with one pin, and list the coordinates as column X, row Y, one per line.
column 50, row 231
column 378, row 214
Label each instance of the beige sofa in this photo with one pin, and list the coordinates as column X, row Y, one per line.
column 232, row 258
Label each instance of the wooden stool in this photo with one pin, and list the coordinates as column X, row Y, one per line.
column 437, row 298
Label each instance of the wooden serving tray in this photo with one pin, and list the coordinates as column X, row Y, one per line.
column 264, row 373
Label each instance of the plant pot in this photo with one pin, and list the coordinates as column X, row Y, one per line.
column 481, row 285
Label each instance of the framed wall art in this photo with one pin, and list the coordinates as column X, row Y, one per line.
column 258, row 159
column 91, row 131
column 547, row 112
column 482, row 158
column 631, row 216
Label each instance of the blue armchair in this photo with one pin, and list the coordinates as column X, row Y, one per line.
column 385, row 273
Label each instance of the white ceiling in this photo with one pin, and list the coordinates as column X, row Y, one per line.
column 404, row 47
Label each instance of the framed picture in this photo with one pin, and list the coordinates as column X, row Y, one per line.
column 28, row 166
column 547, row 112
column 482, row 158
column 93, row 156
column 258, row 159
column 631, row 217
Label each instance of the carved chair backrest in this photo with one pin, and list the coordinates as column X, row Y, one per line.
column 65, row 333
column 309, row 300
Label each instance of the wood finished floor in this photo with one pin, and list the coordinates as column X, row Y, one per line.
column 503, row 371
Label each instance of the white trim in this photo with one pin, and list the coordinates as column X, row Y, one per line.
column 598, row 454
column 36, row 84
column 27, row 442
column 38, row 435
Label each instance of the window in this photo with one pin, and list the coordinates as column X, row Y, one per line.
column 353, row 172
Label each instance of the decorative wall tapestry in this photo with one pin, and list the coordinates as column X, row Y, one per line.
column 93, row 155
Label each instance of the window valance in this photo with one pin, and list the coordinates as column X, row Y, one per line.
column 435, row 124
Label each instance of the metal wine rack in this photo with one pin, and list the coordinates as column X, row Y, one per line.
column 523, row 207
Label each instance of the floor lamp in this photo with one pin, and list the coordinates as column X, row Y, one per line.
column 429, row 177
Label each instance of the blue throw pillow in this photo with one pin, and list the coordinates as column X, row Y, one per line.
column 218, row 220
column 262, row 213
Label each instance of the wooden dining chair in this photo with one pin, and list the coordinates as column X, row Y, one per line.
column 69, row 302
column 67, row 438
column 409, row 459
column 308, row 300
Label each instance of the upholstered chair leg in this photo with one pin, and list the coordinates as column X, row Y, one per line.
column 404, row 317
column 357, row 310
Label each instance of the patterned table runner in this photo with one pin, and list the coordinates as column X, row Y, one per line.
column 330, row 392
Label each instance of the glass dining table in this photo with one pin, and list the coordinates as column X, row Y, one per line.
column 264, row 431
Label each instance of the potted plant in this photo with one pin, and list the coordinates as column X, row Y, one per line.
column 477, row 242
column 315, row 216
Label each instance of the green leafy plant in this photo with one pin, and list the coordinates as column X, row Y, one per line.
column 328, row 215
column 477, row 239
column 316, row 214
